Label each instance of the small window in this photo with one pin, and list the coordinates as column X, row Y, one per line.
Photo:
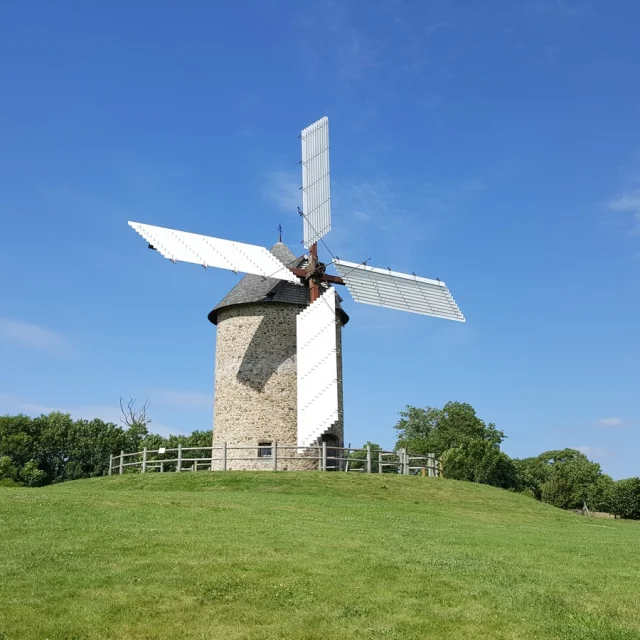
column 264, row 450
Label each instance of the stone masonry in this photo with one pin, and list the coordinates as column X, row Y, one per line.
column 255, row 383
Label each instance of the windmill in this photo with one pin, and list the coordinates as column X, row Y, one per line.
column 279, row 276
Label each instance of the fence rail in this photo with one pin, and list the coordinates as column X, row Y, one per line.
column 321, row 457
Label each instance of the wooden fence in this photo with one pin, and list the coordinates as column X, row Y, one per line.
column 321, row 457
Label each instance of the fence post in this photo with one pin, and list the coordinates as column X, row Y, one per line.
column 324, row 456
column 274, row 452
column 431, row 464
column 121, row 462
column 212, row 465
column 161, row 466
column 224, row 456
column 144, row 460
column 440, row 469
column 379, row 461
column 179, row 467
column 368, row 458
column 195, row 465
column 110, row 462
column 404, row 458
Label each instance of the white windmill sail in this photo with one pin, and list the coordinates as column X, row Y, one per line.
column 214, row 252
column 317, row 367
column 316, row 193
column 403, row 291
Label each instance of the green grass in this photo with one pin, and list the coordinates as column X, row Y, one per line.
column 308, row 555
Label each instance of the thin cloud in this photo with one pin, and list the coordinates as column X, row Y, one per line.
column 557, row 16
column 14, row 404
column 250, row 100
column 183, row 399
column 33, row 335
column 629, row 204
column 595, row 452
column 611, row 422
column 282, row 188
column 10, row 404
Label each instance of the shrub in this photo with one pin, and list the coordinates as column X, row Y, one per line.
column 626, row 498
column 32, row 475
column 600, row 495
column 8, row 470
column 480, row 461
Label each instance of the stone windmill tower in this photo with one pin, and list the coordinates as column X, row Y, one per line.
column 256, row 374
column 279, row 330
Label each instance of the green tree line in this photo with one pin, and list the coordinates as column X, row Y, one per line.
column 470, row 450
column 35, row 451
column 54, row 448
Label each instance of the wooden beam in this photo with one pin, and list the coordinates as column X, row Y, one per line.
column 303, row 273
column 314, row 288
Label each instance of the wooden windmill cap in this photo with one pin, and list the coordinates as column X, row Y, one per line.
column 256, row 289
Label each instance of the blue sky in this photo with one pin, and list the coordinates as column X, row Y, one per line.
column 493, row 145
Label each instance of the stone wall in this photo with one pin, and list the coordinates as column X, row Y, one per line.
column 255, row 382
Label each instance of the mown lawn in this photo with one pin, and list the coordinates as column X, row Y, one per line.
column 308, row 556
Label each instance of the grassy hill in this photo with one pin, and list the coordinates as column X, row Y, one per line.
column 308, row 555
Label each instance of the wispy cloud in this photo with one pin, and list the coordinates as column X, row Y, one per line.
column 108, row 413
column 282, row 188
column 611, row 422
column 10, row 404
column 33, row 336
column 366, row 200
column 251, row 100
column 628, row 204
column 385, row 215
column 557, row 16
column 182, row 398
column 595, row 452
column 564, row 9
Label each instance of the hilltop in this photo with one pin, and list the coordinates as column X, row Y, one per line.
column 308, row 556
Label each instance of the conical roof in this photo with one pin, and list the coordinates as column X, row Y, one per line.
column 253, row 288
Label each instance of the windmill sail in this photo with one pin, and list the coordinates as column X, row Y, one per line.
column 403, row 291
column 317, row 368
column 316, row 193
column 181, row 246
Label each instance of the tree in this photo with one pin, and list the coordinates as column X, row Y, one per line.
column 532, row 474
column 18, row 435
column 33, row 476
column 136, row 421
column 480, row 461
column 601, row 494
column 626, row 498
column 8, row 470
column 60, row 447
column 432, row 430
column 469, row 448
column 571, row 476
column 54, row 447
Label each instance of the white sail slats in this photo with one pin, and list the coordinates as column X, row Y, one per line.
column 403, row 291
column 316, row 192
column 317, row 368
column 214, row 252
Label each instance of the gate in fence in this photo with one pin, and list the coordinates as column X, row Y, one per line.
column 276, row 457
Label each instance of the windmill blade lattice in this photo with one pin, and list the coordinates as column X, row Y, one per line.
column 316, row 189
column 214, row 252
column 395, row 290
column 317, row 368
